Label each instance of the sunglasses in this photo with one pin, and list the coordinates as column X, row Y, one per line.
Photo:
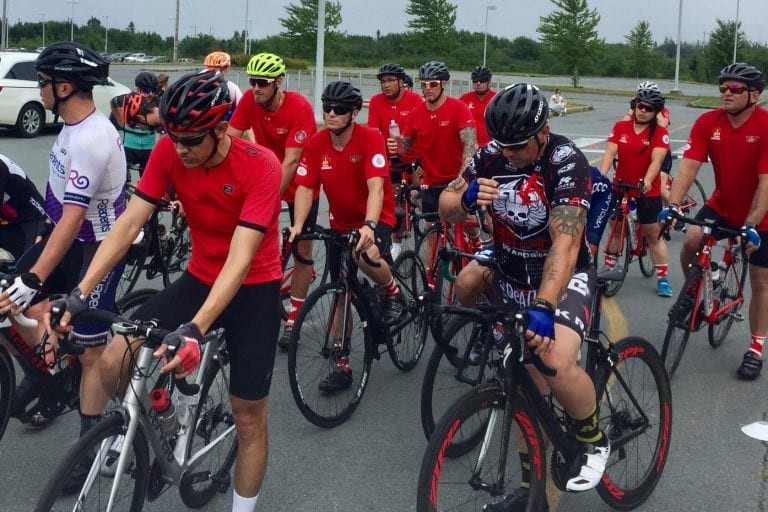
column 189, row 142
column 735, row 89
column 148, row 90
column 517, row 146
column 42, row 82
column 644, row 107
column 480, row 81
column 429, row 84
column 340, row 110
column 261, row 82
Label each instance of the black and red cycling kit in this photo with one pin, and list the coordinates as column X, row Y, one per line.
column 22, row 214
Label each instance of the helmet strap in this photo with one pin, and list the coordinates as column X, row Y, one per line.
column 340, row 131
column 57, row 100
column 268, row 104
column 749, row 104
column 442, row 90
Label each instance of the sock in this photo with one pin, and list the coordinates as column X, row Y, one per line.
column 474, row 241
column 525, row 474
column 610, row 260
column 241, row 504
column 756, row 345
column 293, row 311
column 87, row 422
column 391, row 288
column 661, row 270
column 588, row 428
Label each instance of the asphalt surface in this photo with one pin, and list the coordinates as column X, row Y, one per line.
column 371, row 462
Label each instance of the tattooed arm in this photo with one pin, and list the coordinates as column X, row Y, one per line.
column 468, row 138
column 450, row 208
column 407, row 144
column 566, row 227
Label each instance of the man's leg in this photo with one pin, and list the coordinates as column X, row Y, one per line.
column 252, row 451
column 752, row 363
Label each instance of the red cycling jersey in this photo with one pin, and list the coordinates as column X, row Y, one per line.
column 290, row 126
column 477, row 107
column 738, row 156
column 437, row 141
column 241, row 191
column 344, row 175
column 381, row 112
column 635, row 153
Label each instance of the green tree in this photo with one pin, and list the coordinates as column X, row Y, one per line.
column 571, row 34
column 718, row 51
column 433, row 25
column 301, row 24
column 640, row 41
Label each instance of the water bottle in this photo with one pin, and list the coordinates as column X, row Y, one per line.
column 715, row 273
column 165, row 411
column 632, row 221
column 394, row 133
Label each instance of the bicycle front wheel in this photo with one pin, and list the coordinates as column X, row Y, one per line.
column 89, row 455
column 616, row 243
column 492, row 469
column 728, row 291
column 7, row 388
column 330, row 326
column 408, row 337
column 319, row 271
column 679, row 323
column 635, row 404
column 645, row 261
column 213, row 417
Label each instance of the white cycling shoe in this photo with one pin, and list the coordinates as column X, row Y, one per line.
column 592, row 468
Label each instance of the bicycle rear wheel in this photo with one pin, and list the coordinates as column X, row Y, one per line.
column 7, row 388
column 320, row 338
column 679, row 323
column 90, row 451
column 213, row 417
column 617, row 237
column 180, row 251
column 694, row 200
column 729, row 290
column 427, row 250
column 320, row 271
column 645, row 261
column 408, row 337
column 635, row 404
column 474, row 479
column 135, row 263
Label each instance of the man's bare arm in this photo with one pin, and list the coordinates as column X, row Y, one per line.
column 566, row 227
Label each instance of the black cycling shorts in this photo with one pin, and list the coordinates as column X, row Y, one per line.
column 648, row 208
column 309, row 224
column 759, row 258
column 17, row 238
column 430, row 197
column 383, row 240
column 251, row 323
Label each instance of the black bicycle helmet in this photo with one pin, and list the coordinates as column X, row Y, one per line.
column 516, row 114
column 481, row 73
column 434, row 70
column 408, row 81
column 344, row 93
column 744, row 73
column 146, row 80
column 73, row 62
column 195, row 102
column 395, row 70
column 651, row 97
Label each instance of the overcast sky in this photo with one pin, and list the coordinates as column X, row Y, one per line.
column 513, row 18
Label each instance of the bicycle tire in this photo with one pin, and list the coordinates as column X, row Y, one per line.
column 311, row 357
column 7, row 388
column 177, row 257
column 320, row 259
column 213, row 415
column 432, row 236
column 613, row 287
column 678, row 324
column 446, row 484
column 728, row 291
column 135, row 264
column 84, row 451
column 645, row 261
column 635, row 405
column 441, row 385
column 405, row 344
column 695, row 193
column 126, row 305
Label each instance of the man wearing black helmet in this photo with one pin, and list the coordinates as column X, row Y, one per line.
column 478, row 98
column 84, row 196
column 349, row 161
column 536, row 186
column 735, row 139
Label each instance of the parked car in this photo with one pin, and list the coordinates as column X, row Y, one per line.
column 21, row 107
column 135, row 57
column 118, row 56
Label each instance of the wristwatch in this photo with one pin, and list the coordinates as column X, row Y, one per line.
column 371, row 224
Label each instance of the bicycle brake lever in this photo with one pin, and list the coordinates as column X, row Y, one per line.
column 521, row 325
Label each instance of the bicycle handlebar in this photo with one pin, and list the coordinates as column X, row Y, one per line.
column 350, row 237
column 710, row 223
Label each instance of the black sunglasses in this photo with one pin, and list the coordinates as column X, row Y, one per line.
column 335, row 107
column 189, row 142
column 645, row 107
column 148, row 90
column 516, row 146
column 42, row 82
column 261, row 82
column 735, row 89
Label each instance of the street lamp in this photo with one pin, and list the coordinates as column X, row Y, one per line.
column 106, row 32
column 72, row 19
column 42, row 16
column 676, row 89
column 248, row 51
column 485, row 37
column 736, row 32
column 175, row 38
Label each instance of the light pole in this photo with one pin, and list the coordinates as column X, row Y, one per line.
column 736, row 32
column 42, row 16
column 676, row 89
column 175, row 38
column 106, row 32
column 250, row 24
column 485, row 37
column 72, row 19
column 245, row 36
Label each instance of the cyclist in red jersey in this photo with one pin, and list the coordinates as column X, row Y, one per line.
column 283, row 121
column 349, row 161
column 230, row 191
column 735, row 139
column 641, row 145
column 478, row 99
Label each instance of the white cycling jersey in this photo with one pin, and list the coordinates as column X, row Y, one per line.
column 87, row 165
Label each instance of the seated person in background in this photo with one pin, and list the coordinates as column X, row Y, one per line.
column 557, row 104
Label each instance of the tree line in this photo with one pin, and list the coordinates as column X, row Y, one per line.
column 568, row 45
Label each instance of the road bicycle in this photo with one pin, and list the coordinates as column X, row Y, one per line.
column 471, row 457
column 713, row 292
column 193, row 449
column 341, row 320
column 319, row 263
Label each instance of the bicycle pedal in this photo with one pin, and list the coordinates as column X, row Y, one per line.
column 739, row 317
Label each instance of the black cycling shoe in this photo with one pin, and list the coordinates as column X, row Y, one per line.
column 750, row 366
column 393, row 309
column 515, row 502
column 27, row 390
column 338, row 379
column 43, row 413
column 285, row 341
